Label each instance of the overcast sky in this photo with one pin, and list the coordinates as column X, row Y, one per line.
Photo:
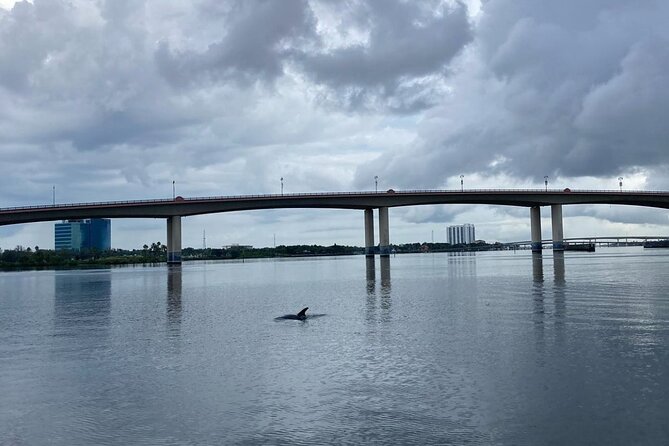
column 113, row 100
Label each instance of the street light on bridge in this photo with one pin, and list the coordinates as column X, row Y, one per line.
column 281, row 185
column 54, row 195
column 546, row 182
column 462, row 183
column 376, row 183
column 620, row 183
column 174, row 190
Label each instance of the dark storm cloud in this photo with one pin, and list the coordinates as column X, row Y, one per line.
column 624, row 121
column 256, row 36
column 98, row 74
column 401, row 67
column 405, row 55
column 84, row 78
column 558, row 88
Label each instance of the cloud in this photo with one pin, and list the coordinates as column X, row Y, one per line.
column 113, row 100
column 256, row 37
column 620, row 214
column 402, row 60
column 623, row 117
column 573, row 90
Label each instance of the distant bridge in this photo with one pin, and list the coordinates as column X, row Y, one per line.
column 174, row 209
column 623, row 239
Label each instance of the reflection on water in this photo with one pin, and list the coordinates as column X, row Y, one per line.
column 385, row 277
column 370, row 274
column 443, row 349
column 559, row 292
column 174, row 298
column 538, row 298
column 385, row 289
column 461, row 264
column 385, row 286
column 537, row 268
column 82, row 301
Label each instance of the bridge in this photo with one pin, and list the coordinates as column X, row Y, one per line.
column 602, row 240
column 174, row 209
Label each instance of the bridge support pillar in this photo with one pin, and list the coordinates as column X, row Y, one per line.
column 535, row 228
column 556, row 220
column 174, row 240
column 384, row 232
column 369, row 232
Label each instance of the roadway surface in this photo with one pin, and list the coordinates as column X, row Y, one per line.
column 163, row 208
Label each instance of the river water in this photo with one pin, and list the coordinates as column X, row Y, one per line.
column 489, row 348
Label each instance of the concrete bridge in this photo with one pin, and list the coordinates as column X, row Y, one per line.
column 599, row 240
column 173, row 209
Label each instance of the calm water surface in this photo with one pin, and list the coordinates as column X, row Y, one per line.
column 492, row 348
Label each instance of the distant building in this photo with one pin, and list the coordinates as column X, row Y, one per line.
column 78, row 235
column 461, row 234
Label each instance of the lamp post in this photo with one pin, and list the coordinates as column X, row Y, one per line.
column 620, row 183
column 376, row 183
column 462, row 183
column 174, row 190
column 546, row 182
column 54, row 195
column 281, row 185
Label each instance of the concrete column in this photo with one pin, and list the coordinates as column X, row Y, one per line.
column 174, row 240
column 384, row 232
column 535, row 228
column 556, row 220
column 369, row 232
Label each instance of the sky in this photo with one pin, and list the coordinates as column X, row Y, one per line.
column 115, row 99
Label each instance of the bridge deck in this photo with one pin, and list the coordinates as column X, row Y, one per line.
column 163, row 208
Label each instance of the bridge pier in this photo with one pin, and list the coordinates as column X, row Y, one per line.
column 535, row 228
column 384, row 232
column 369, row 232
column 174, row 240
column 556, row 220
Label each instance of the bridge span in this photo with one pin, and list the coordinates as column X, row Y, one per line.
column 596, row 240
column 173, row 209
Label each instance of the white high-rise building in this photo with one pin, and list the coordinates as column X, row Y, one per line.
column 461, row 234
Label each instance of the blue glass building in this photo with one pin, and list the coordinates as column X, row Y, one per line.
column 78, row 235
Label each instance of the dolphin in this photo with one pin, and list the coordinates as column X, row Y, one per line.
column 301, row 316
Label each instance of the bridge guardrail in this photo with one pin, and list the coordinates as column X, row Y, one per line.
column 323, row 194
column 595, row 239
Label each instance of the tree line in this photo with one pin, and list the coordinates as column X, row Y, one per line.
column 35, row 257
column 21, row 257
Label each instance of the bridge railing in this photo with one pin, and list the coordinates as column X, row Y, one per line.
column 594, row 239
column 330, row 194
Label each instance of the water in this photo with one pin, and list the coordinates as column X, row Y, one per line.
column 491, row 348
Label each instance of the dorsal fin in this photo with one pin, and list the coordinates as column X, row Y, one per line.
column 303, row 312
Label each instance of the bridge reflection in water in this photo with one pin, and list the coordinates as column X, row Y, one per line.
column 174, row 286
column 559, row 300
column 82, row 301
column 558, row 295
column 384, row 292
